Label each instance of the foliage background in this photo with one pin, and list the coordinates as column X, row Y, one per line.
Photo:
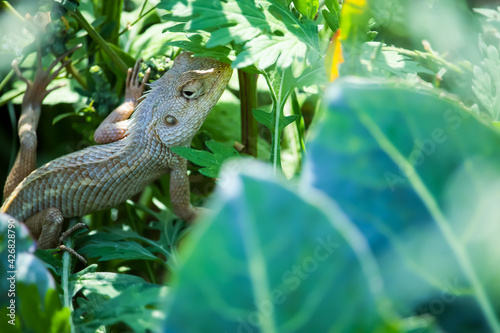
column 387, row 221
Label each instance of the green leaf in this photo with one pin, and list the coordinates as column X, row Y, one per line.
column 281, row 84
column 126, row 250
column 104, row 283
column 151, row 43
column 196, row 44
column 410, row 168
column 267, row 119
column 124, row 243
column 29, row 269
column 11, row 94
column 268, row 35
column 121, row 243
column 308, row 8
column 33, row 315
column 333, row 6
column 331, row 19
column 272, row 259
column 256, row 25
column 114, row 298
column 265, row 51
column 211, row 162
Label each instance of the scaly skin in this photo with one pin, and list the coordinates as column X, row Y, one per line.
column 103, row 176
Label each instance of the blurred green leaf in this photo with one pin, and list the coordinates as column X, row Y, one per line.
column 30, row 314
column 408, row 166
column 16, row 255
column 274, row 260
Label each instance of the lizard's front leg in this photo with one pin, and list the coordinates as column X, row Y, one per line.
column 115, row 126
column 179, row 191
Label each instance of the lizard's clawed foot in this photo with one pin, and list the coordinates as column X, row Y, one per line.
column 72, row 230
column 134, row 87
column 68, row 233
column 73, row 252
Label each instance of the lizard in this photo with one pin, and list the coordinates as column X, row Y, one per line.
column 135, row 152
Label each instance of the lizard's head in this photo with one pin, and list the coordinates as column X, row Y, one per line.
column 183, row 97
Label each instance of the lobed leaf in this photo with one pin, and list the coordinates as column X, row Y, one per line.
column 211, row 162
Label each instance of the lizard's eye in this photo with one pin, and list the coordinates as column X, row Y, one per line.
column 170, row 120
column 193, row 89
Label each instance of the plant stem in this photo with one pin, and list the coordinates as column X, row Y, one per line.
column 137, row 20
column 8, row 6
column 99, row 40
column 112, row 10
column 6, row 79
column 72, row 70
column 248, row 101
column 66, row 269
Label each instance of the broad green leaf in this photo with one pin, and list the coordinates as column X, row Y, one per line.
column 272, row 259
column 211, row 162
column 417, row 174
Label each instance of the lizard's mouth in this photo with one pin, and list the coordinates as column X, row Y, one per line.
column 225, row 72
